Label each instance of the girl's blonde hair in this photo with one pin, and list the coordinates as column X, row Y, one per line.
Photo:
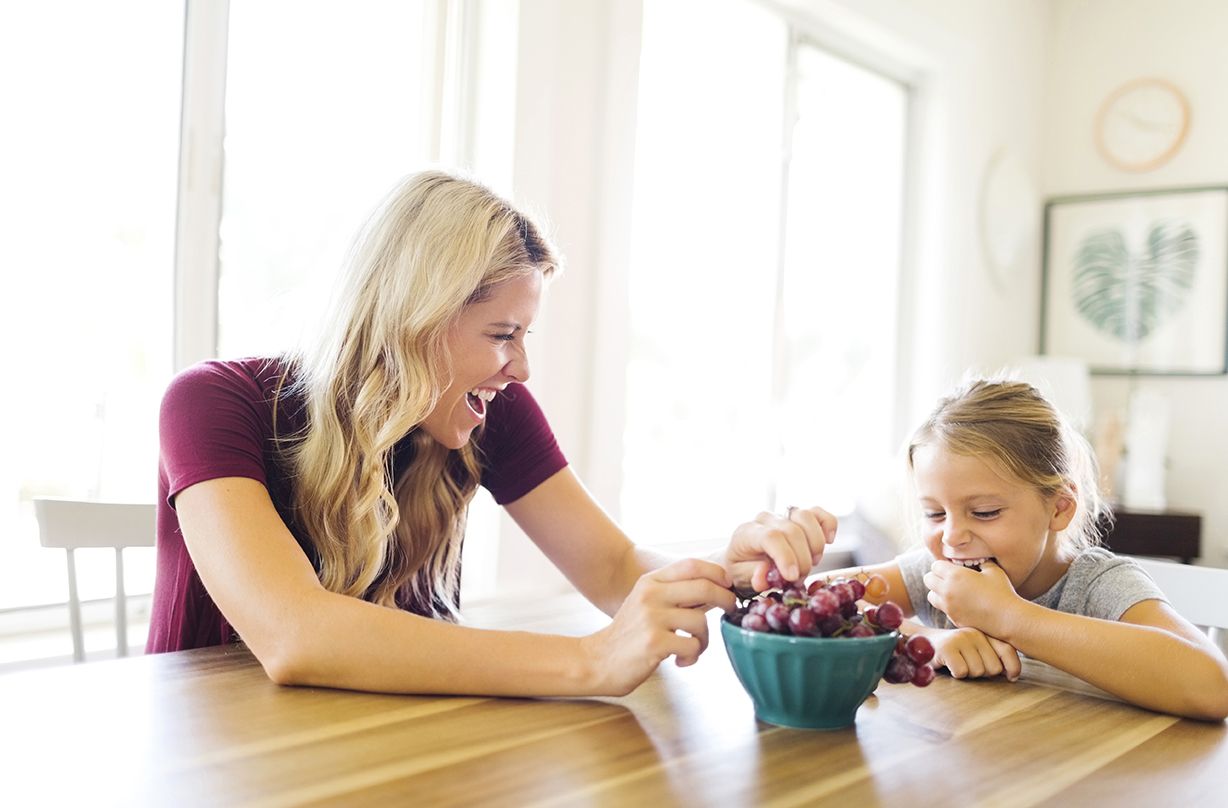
column 437, row 243
column 1012, row 425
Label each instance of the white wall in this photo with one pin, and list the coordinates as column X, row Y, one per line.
column 1096, row 45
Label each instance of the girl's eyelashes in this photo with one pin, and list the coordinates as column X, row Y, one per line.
column 938, row 516
column 504, row 337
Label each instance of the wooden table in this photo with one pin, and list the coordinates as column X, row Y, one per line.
column 207, row 728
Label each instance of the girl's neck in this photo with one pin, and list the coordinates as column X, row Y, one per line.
column 1053, row 565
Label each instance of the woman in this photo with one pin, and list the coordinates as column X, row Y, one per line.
column 314, row 505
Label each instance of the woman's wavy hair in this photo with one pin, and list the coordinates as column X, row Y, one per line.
column 438, row 243
column 1013, row 426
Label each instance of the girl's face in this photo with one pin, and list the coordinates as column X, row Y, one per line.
column 972, row 513
column 488, row 353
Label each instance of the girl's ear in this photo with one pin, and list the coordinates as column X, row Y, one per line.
column 1064, row 507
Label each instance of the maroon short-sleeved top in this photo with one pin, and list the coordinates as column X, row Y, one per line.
column 217, row 421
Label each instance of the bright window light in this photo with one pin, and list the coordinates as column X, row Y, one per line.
column 735, row 403
column 89, row 155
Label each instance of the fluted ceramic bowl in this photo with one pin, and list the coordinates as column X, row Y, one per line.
column 807, row 682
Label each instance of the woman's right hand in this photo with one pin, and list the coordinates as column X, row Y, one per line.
column 664, row 614
column 971, row 654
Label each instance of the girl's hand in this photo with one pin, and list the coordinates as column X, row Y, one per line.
column 971, row 654
column 794, row 543
column 970, row 598
column 663, row 615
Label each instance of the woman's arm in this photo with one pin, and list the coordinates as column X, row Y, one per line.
column 303, row 634
column 580, row 538
column 1151, row 657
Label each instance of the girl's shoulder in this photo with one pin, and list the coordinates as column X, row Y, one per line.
column 1102, row 584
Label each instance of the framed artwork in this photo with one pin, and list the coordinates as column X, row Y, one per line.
column 1137, row 283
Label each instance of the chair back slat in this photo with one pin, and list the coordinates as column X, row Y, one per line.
column 73, row 524
column 77, row 523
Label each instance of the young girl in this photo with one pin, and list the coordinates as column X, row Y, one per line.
column 1010, row 503
column 314, row 505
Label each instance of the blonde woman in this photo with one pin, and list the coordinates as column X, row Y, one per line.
column 314, row 505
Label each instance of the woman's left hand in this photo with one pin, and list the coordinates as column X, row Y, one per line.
column 979, row 599
column 793, row 543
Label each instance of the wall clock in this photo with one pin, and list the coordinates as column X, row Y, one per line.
column 1142, row 124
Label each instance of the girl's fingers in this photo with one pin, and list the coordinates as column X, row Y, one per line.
column 1012, row 666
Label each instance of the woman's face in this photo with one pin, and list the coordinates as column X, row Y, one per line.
column 488, row 353
column 972, row 514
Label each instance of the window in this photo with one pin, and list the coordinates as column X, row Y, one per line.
column 314, row 138
column 89, row 160
column 766, row 228
column 356, row 97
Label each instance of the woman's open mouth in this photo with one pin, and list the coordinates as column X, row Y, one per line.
column 477, row 399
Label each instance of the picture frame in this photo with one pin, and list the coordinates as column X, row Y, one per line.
column 1136, row 283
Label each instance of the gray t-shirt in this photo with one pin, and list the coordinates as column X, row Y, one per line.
column 1097, row 584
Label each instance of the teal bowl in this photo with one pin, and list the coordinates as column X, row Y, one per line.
column 807, row 682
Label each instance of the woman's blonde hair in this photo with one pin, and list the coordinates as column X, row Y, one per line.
column 1011, row 424
column 437, row 243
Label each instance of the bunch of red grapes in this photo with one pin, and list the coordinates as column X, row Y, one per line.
column 831, row 609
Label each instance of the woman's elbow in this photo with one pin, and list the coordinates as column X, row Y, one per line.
column 282, row 670
column 284, row 661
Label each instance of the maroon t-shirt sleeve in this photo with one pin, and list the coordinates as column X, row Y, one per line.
column 214, row 422
column 518, row 448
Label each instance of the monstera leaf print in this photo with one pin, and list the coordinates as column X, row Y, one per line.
column 1128, row 295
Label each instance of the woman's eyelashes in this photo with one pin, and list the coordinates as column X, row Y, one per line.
column 508, row 337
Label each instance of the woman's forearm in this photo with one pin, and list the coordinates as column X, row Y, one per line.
column 337, row 641
column 1144, row 665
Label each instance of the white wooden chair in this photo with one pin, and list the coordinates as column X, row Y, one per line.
column 1199, row 594
column 72, row 524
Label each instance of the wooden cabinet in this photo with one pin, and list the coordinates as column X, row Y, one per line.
column 1171, row 534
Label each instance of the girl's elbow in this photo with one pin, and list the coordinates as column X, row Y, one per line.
column 1210, row 703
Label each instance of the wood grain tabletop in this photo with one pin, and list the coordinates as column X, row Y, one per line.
column 208, row 728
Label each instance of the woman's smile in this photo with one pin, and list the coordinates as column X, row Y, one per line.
column 486, row 346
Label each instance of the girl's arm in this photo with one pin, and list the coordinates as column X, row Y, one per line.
column 965, row 653
column 1151, row 657
column 305, row 635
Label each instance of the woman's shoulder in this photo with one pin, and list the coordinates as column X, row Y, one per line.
column 249, row 378
column 259, row 371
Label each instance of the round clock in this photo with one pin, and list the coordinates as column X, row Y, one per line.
column 1141, row 124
